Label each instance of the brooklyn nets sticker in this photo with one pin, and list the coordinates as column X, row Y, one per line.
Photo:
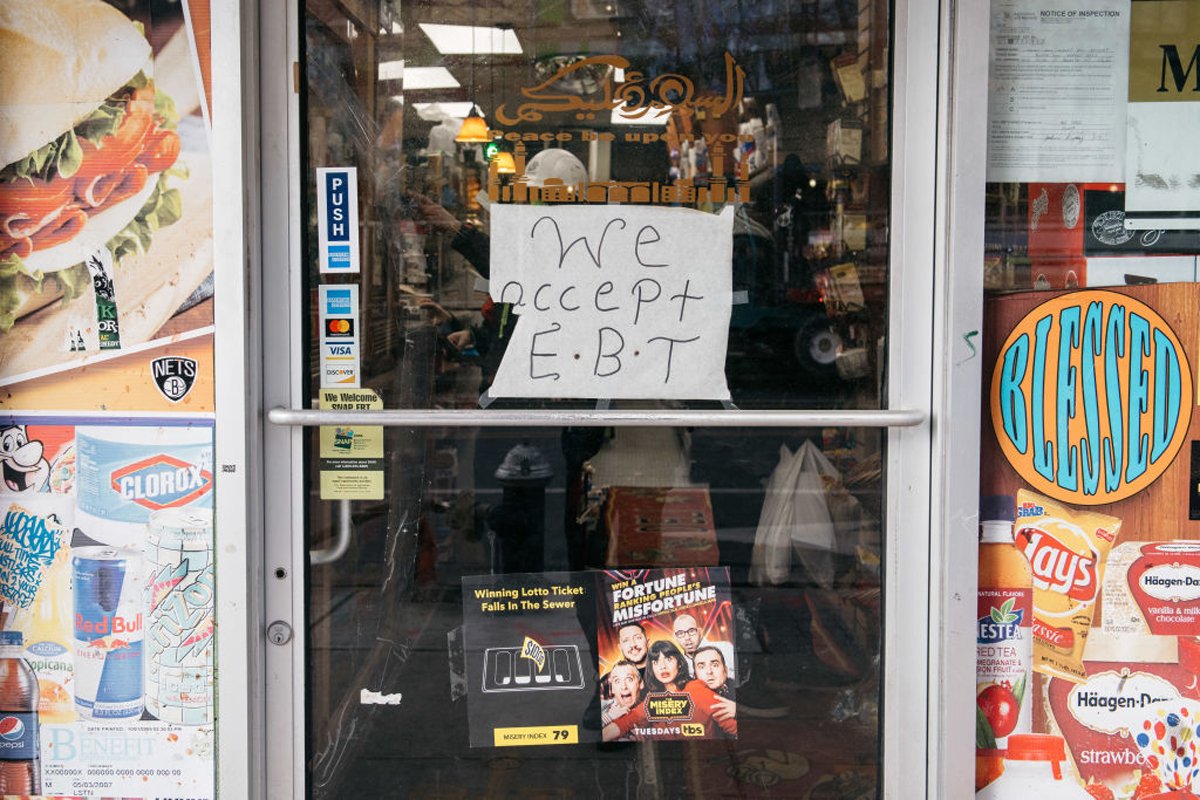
column 174, row 376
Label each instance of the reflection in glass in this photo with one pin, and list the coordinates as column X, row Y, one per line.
column 781, row 107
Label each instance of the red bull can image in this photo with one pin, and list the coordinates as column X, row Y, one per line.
column 109, row 630
column 179, row 611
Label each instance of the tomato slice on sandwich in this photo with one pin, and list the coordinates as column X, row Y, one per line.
column 97, row 174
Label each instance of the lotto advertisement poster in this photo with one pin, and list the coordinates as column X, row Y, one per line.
column 575, row 657
column 107, row 586
column 1091, row 471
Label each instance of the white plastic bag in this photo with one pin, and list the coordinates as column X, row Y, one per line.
column 795, row 519
column 813, row 537
column 771, row 561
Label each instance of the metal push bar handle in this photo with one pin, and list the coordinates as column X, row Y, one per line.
column 345, row 529
column 481, row 418
column 428, row 418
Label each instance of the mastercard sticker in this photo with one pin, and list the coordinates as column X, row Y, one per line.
column 339, row 328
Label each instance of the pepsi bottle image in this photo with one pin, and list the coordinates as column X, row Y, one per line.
column 20, row 767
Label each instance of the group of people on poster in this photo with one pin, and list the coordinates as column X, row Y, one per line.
column 667, row 676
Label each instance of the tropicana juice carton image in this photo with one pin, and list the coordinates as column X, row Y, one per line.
column 1067, row 552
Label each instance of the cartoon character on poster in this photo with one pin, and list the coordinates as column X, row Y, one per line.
column 37, row 458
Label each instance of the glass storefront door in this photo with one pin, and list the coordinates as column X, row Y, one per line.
column 596, row 420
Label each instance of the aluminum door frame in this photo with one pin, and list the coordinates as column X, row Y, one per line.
column 279, row 329
column 937, row 201
column 962, row 100
column 240, row 689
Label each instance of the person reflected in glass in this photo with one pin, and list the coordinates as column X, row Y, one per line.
column 487, row 341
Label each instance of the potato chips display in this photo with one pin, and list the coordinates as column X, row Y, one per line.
column 1067, row 550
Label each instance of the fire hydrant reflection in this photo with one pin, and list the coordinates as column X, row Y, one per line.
column 519, row 520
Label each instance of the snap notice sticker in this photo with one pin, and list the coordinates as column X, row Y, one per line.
column 351, row 456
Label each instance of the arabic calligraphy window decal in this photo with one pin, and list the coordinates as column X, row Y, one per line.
column 716, row 191
column 670, row 93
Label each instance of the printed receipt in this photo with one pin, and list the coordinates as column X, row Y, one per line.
column 1057, row 92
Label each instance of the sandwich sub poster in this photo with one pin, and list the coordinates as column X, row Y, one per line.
column 106, row 202
column 577, row 657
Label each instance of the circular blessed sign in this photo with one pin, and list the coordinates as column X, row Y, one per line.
column 1091, row 397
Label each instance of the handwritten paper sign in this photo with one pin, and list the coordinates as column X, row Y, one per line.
column 613, row 301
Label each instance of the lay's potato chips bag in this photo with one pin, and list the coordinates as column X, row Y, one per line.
column 1067, row 551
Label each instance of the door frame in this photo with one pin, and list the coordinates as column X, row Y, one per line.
column 962, row 100
column 237, row 348
column 937, row 151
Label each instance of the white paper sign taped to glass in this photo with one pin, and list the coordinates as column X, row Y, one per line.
column 337, row 219
column 339, row 335
column 1056, row 98
column 613, row 301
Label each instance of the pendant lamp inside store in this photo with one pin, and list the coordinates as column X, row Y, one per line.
column 505, row 165
column 474, row 129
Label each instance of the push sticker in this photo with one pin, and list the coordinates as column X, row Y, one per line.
column 337, row 219
column 1091, row 397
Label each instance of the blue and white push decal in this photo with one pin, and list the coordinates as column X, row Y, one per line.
column 337, row 219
